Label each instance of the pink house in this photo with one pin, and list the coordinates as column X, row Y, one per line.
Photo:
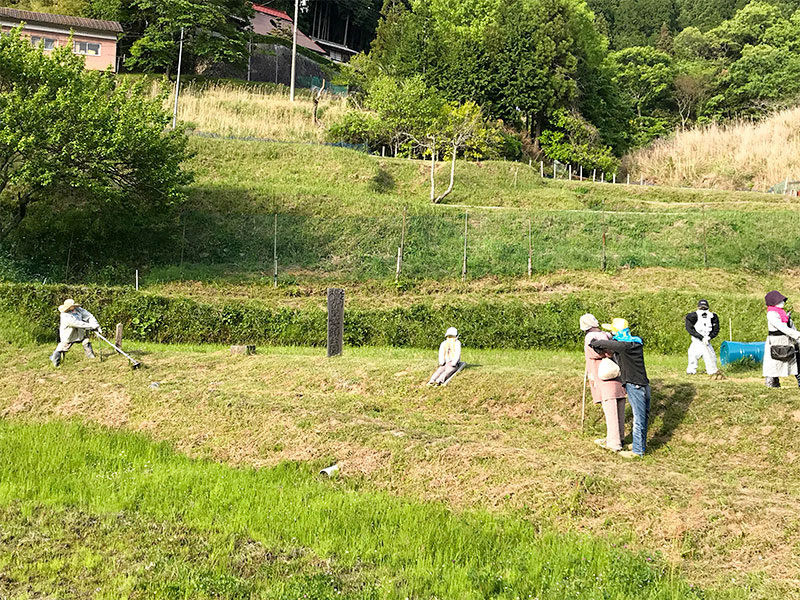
column 91, row 38
column 268, row 21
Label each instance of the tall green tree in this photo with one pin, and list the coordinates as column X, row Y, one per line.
column 533, row 66
column 68, row 133
column 215, row 31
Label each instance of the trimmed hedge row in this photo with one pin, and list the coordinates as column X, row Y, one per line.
column 657, row 317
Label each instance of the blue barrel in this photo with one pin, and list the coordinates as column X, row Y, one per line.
column 730, row 352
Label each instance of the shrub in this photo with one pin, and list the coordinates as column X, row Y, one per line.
column 551, row 325
column 358, row 127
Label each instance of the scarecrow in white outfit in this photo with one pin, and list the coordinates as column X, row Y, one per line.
column 703, row 326
column 780, row 349
column 449, row 358
column 76, row 325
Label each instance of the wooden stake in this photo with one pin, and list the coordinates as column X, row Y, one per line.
column 275, row 252
column 401, row 249
column 583, row 401
column 118, row 336
column 705, row 241
column 530, row 250
column 464, row 263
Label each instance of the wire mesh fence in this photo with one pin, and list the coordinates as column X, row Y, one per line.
column 501, row 243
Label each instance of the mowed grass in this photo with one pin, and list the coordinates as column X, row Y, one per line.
column 501, row 446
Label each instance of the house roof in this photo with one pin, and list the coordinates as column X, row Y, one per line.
column 271, row 11
column 262, row 27
column 65, row 20
column 335, row 46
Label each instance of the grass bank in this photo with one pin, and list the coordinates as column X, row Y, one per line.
column 714, row 496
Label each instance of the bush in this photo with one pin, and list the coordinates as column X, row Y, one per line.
column 552, row 325
column 358, row 127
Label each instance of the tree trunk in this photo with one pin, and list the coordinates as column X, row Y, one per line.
column 22, row 210
column 452, row 176
column 537, row 132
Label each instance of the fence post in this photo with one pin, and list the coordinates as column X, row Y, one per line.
column 603, row 220
column 530, row 250
column 594, row 175
column 570, row 172
column 541, row 169
column 581, row 173
column 554, row 170
column 614, row 178
column 335, row 321
column 275, row 252
column 401, row 249
column 137, row 280
column 118, row 336
column 629, row 179
column 641, row 179
column 602, row 177
column 705, row 241
column 383, row 151
column 464, row 263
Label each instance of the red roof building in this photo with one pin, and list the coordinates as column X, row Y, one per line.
column 268, row 21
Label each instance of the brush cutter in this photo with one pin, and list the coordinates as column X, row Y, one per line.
column 135, row 364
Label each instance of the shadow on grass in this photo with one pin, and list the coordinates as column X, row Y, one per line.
column 671, row 402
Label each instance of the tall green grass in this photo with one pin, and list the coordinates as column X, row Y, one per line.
column 395, row 548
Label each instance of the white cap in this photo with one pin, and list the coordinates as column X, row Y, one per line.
column 451, row 332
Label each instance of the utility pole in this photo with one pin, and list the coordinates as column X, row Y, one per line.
column 178, row 83
column 294, row 48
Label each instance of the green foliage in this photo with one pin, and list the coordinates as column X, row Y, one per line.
column 573, row 140
column 360, row 127
column 215, row 31
column 502, row 323
column 75, row 138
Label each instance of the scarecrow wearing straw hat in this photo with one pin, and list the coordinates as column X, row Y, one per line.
column 76, row 323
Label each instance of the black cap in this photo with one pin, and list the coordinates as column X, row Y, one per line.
column 703, row 304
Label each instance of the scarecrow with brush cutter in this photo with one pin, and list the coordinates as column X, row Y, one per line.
column 76, row 325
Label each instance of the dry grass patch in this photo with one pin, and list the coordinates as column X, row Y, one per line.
column 744, row 155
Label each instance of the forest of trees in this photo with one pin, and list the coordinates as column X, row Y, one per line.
column 578, row 82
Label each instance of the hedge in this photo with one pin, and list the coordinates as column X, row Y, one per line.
column 551, row 324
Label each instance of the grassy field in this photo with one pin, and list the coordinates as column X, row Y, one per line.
column 714, row 498
column 340, row 214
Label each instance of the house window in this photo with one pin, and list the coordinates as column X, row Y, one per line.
column 87, row 48
column 49, row 43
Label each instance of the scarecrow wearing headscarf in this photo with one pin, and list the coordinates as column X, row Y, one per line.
column 629, row 355
column 76, row 324
column 780, row 355
column 703, row 326
column 449, row 358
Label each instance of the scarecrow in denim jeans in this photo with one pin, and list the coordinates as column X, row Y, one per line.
column 629, row 355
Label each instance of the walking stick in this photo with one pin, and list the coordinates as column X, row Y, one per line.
column 583, row 401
